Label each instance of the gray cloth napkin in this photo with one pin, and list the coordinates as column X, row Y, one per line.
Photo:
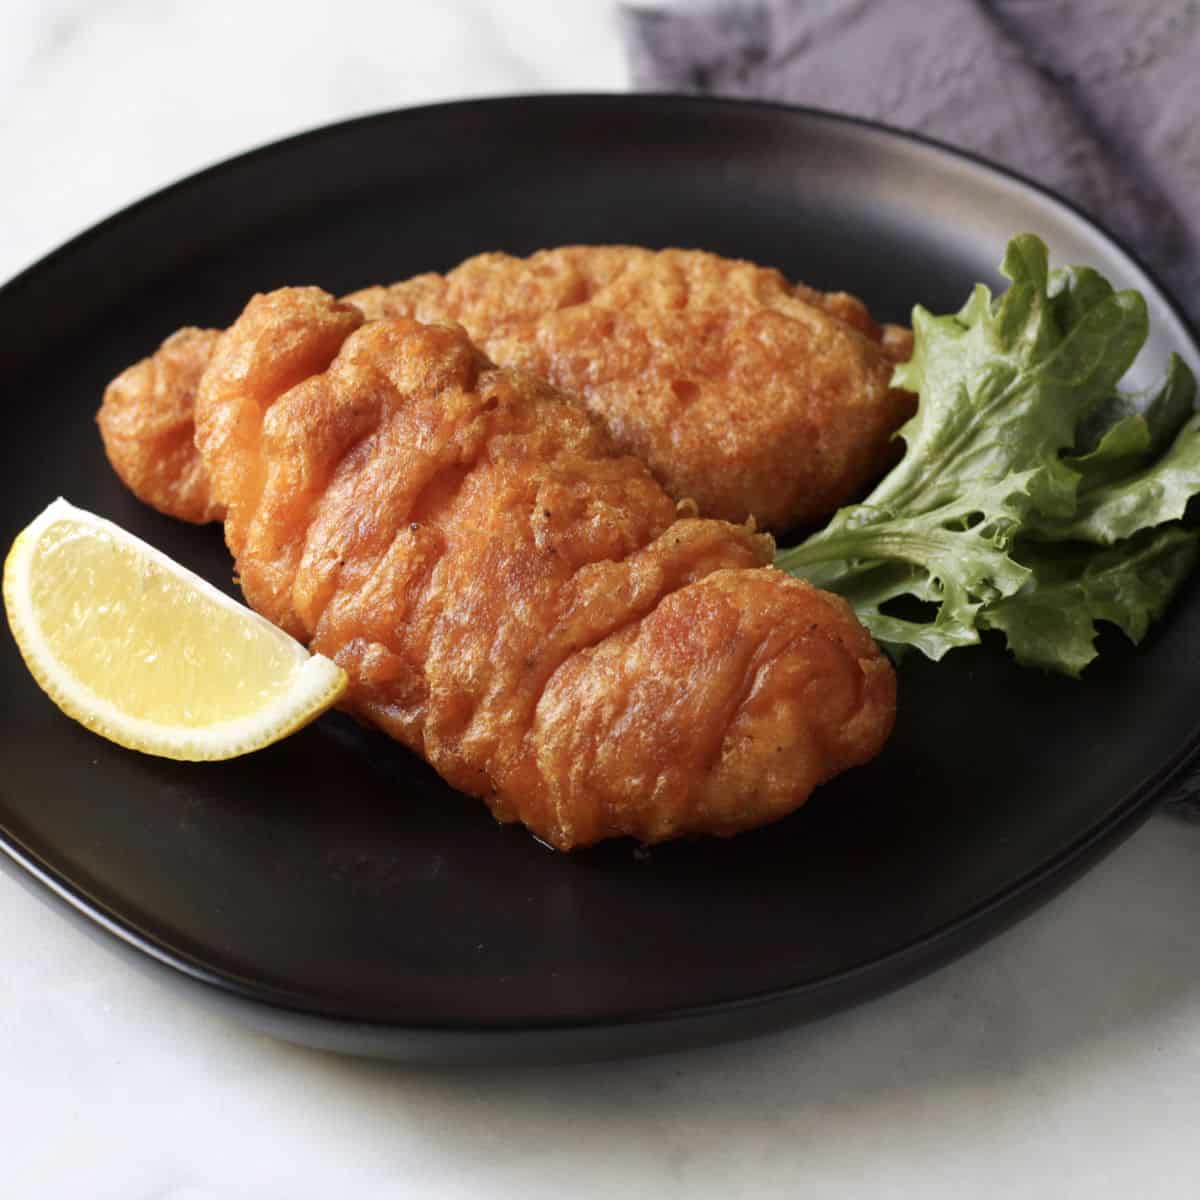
column 1097, row 99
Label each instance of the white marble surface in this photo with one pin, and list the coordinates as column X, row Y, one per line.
column 1061, row 1060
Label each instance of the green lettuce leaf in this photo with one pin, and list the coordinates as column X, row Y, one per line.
column 1022, row 442
column 1157, row 493
column 955, row 557
column 1003, row 384
column 1051, row 623
column 1143, row 470
column 1132, row 428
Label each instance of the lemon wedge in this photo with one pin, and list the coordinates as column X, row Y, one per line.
column 146, row 653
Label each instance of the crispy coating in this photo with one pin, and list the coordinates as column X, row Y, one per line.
column 743, row 392
column 146, row 423
column 749, row 395
column 511, row 596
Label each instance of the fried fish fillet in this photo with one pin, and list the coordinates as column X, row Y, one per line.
column 147, row 422
column 511, row 596
column 749, row 395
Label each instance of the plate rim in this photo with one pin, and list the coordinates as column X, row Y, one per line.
column 617, row 99
column 898, row 965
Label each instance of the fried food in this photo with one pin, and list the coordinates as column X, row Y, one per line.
column 147, row 424
column 747, row 394
column 511, row 596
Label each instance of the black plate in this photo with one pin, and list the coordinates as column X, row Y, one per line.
column 331, row 889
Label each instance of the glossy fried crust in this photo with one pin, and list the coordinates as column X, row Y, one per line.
column 743, row 392
column 511, row 596
column 146, row 423
column 749, row 395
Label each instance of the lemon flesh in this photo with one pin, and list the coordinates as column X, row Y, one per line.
column 148, row 654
